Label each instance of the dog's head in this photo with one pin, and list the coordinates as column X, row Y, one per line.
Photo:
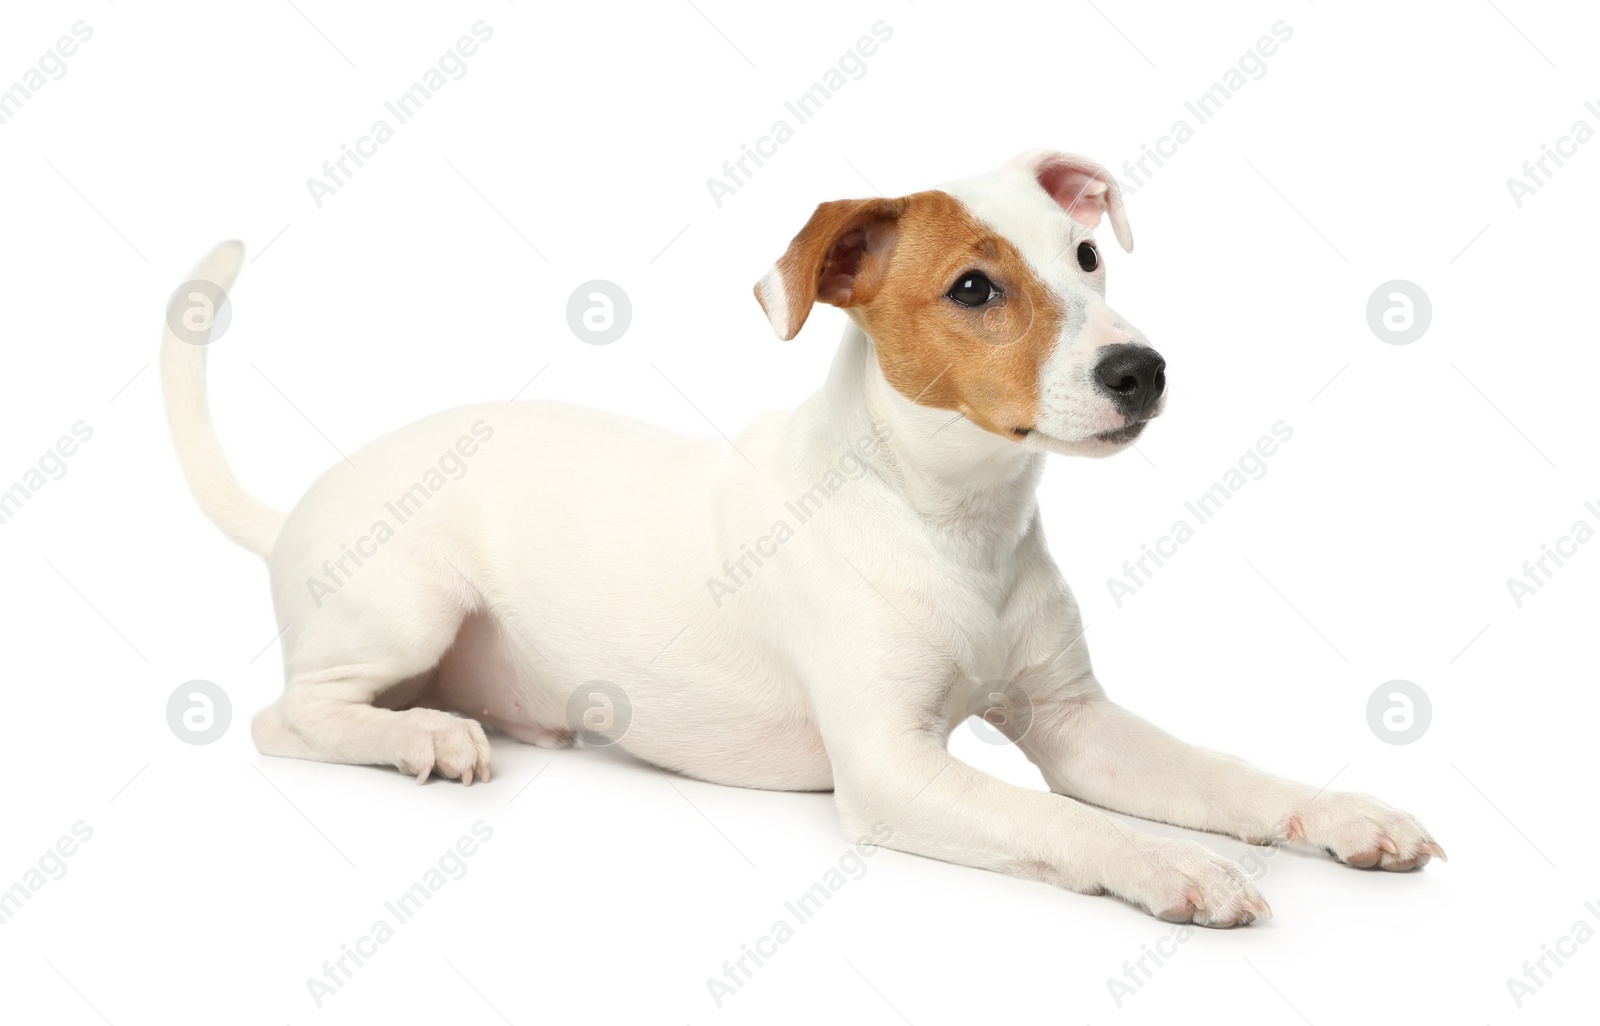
column 987, row 297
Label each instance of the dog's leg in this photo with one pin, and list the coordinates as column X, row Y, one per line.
column 1092, row 749
column 366, row 642
column 332, row 719
column 896, row 786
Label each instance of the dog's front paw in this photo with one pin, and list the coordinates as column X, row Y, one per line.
column 1190, row 883
column 450, row 746
column 1361, row 831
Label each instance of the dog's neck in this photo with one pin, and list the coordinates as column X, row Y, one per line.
column 972, row 486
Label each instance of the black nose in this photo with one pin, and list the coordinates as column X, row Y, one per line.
column 1133, row 376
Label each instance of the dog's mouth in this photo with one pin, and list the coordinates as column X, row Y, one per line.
column 1121, row 435
column 1116, row 436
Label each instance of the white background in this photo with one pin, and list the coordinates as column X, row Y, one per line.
column 1377, row 546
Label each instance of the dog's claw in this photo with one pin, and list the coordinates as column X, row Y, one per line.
column 1192, row 884
column 451, row 746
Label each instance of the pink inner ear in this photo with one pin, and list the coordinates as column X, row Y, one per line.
column 844, row 263
column 1080, row 193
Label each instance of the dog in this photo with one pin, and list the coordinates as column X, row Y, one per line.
column 814, row 604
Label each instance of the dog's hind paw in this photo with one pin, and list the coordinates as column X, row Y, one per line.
column 1363, row 832
column 451, row 746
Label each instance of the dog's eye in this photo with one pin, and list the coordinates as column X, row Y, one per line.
column 1088, row 256
column 972, row 289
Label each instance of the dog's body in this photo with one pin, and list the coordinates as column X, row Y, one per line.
column 814, row 604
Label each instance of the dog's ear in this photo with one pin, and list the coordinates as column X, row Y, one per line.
column 1082, row 188
column 838, row 258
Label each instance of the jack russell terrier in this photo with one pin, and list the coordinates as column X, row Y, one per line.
column 815, row 604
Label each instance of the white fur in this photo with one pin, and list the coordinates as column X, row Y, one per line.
column 242, row 517
column 578, row 545
column 775, row 303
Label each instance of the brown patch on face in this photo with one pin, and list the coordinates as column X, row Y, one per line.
column 890, row 264
column 983, row 362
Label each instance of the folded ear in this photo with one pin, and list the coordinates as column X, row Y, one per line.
column 1082, row 188
column 838, row 258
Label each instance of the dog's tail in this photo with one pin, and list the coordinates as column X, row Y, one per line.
column 191, row 322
